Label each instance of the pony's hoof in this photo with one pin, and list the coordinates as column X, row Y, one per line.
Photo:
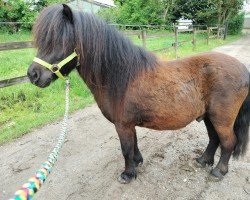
column 216, row 175
column 123, row 181
column 125, row 178
column 199, row 163
column 202, row 163
column 212, row 178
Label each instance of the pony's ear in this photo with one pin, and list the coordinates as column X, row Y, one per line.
column 67, row 12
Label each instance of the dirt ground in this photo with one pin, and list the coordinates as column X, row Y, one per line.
column 91, row 160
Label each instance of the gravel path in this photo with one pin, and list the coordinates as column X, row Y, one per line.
column 91, row 160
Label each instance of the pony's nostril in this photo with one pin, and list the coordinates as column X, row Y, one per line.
column 35, row 76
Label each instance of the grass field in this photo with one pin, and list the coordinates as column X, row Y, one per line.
column 23, row 107
column 17, row 37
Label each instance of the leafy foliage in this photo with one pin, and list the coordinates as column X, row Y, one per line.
column 200, row 11
column 136, row 12
column 207, row 11
column 235, row 24
column 22, row 11
column 110, row 15
column 12, row 11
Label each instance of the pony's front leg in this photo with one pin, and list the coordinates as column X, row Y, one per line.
column 127, row 139
column 137, row 154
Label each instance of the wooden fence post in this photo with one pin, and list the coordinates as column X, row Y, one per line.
column 144, row 38
column 225, row 31
column 176, row 40
column 194, row 38
column 218, row 31
column 208, row 35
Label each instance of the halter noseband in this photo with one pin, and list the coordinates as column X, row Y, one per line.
column 55, row 68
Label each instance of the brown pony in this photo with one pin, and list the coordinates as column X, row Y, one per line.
column 133, row 88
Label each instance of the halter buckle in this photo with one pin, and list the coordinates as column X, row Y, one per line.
column 55, row 68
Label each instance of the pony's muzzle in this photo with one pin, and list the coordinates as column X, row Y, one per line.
column 34, row 75
column 39, row 76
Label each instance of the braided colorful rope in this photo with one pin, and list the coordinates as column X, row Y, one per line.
column 29, row 189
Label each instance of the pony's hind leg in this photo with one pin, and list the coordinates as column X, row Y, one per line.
column 207, row 157
column 128, row 144
column 228, row 142
column 222, row 112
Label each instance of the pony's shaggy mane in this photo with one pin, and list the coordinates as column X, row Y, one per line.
column 107, row 58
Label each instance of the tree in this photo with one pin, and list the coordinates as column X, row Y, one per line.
column 207, row 11
column 40, row 4
column 121, row 2
column 227, row 9
column 168, row 8
column 22, row 11
column 137, row 12
column 200, row 11
column 13, row 11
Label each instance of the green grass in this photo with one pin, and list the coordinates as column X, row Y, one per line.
column 17, row 37
column 23, row 107
column 186, row 47
column 15, row 63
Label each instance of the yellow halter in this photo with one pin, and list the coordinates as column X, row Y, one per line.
column 55, row 68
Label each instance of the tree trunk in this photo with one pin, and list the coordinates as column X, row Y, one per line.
column 219, row 8
column 168, row 5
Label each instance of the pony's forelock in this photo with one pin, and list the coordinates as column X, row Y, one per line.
column 51, row 29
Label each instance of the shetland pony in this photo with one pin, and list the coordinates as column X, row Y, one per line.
column 134, row 88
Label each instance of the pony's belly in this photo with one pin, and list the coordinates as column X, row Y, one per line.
column 167, row 114
column 171, row 119
column 167, row 124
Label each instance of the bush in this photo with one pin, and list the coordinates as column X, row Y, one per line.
column 12, row 11
column 235, row 24
column 21, row 11
column 28, row 19
column 110, row 15
column 136, row 12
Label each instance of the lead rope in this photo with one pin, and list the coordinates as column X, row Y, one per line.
column 35, row 182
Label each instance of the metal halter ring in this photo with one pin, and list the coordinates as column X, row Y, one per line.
column 55, row 68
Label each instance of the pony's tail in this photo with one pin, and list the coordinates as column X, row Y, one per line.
column 241, row 128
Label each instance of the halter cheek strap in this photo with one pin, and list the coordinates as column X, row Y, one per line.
column 55, row 68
